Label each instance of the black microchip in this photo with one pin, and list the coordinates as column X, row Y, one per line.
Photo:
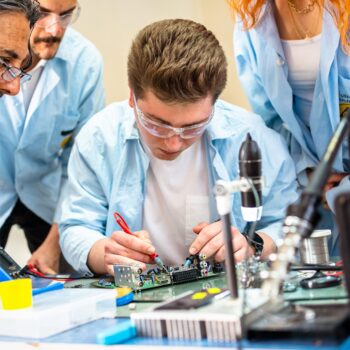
column 186, row 275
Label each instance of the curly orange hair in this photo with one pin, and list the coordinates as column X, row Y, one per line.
column 249, row 11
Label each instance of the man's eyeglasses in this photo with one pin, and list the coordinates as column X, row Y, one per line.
column 9, row 73
column 48, row 19
column 165, row 131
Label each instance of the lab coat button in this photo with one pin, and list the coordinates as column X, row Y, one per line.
column 280, row 61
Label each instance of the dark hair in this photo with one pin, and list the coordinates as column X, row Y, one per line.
column 178, row 60
column 30, row 8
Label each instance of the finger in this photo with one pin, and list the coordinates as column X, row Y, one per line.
column 113, row 248
column 243, row 253
column 213, row 246
column 47, row 270
column 42, row 267
column 336, row 177
column 198, row 228
column 111, row 260
column 204, row 236
column 240, row 254
column 240, row 246
column 144, row 235
column 133, row 242
column 220, row 255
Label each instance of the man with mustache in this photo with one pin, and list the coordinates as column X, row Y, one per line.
column 38, row 125
column 16, row 20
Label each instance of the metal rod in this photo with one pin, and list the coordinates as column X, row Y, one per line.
column 230, row 258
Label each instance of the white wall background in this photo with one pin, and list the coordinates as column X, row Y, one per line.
column 112, row 24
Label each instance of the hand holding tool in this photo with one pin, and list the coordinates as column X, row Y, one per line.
column 124, row 226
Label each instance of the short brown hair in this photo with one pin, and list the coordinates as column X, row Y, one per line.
column 178, row 60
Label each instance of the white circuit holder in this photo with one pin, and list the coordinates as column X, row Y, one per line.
column 223, row 191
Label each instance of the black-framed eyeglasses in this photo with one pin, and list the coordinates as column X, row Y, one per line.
column 10, row 73
column 166, row 131
column 48, row 19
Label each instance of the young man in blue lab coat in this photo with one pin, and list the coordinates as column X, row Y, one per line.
column 38, row 125
column 16, row 20
column 155, row 158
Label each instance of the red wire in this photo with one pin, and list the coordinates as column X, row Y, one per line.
column 122, row 223
column 335, row 273
column 37, row 273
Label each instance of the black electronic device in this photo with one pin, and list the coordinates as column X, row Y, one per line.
column 250, row 168
column 342, row 215
column 320, row 280
column 8, row 264
column 308, row 322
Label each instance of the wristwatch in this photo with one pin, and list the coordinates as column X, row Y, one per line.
column 257, row 243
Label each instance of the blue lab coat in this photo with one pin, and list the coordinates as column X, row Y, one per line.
column 35, row 146
column 263, row 72
column 108, row 169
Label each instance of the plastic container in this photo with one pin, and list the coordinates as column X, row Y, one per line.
column 57, row 311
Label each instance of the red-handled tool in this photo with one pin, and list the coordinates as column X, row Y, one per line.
column 124, row 226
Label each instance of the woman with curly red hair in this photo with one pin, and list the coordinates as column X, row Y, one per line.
column 293, row 60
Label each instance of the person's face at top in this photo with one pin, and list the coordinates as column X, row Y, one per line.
column 49, row 30
column 177, row 115
column 14, row 39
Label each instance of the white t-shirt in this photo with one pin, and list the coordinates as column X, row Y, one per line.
column 176, row 200
column 303, row 57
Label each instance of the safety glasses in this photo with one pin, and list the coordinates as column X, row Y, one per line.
column 165, row 131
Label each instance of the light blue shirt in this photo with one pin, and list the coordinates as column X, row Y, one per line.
column 108, row 168
column 263, row 72
column 35, row 146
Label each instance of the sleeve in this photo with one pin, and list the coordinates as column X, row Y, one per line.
column 247, row 69
column 92, row 100
column 84, row 211
column 280, row 187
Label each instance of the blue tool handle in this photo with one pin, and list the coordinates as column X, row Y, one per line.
column 49, row 288
column 117, row 334
column 4, row 276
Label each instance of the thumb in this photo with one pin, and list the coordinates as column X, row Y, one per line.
column 43, row 268
column 199, row 227
column 47, row 270
column 144, row 235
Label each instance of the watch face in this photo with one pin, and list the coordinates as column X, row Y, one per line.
column 258, row 244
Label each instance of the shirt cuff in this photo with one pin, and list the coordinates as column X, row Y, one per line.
column 76, row 243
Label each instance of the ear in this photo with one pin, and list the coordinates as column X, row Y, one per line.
column 131, row 98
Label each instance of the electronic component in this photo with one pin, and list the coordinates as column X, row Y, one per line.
column 320, row 280
column 195, row 267
column 9, row 265
column 194, row 300
column 218, row 321
column 184, row 275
